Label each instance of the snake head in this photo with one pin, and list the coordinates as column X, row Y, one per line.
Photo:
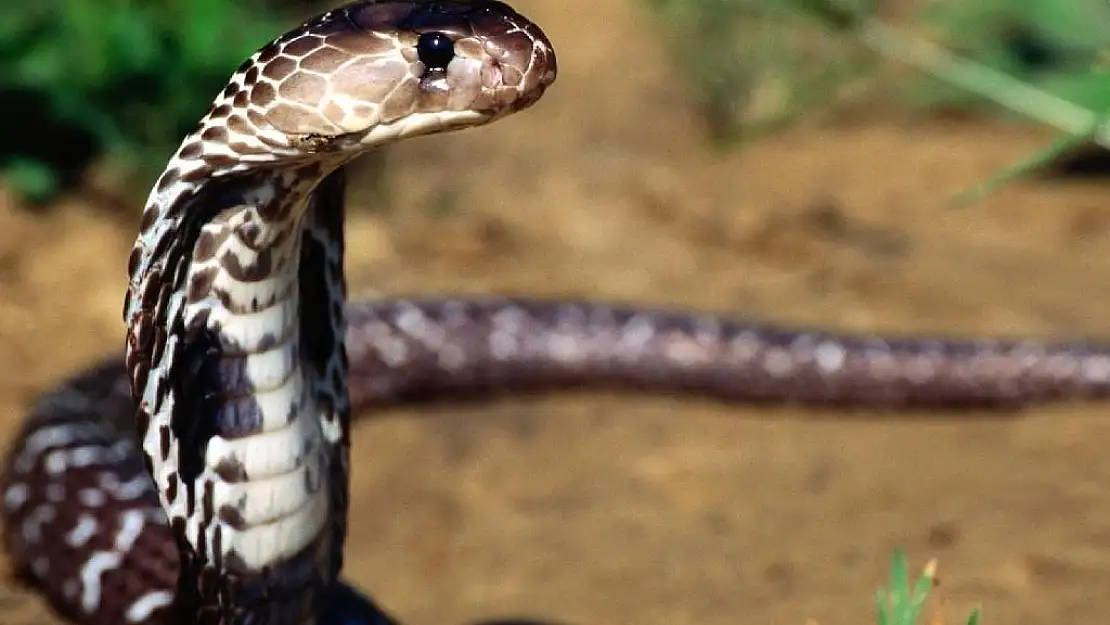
column 371, row 72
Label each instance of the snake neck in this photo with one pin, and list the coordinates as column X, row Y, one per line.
column 249, row 445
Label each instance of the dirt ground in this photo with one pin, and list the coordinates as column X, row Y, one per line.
column 615, row 509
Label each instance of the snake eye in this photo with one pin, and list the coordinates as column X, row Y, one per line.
column 435, row 50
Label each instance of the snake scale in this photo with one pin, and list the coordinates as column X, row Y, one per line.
column 201, row 479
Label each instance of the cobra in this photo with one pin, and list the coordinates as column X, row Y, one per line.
column 203, row 479
column 234, row 312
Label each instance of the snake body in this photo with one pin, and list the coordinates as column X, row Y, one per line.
column 244, row 360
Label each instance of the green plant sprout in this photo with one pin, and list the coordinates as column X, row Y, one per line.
column 902, row 603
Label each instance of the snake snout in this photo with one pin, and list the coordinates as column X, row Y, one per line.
column 524, row 60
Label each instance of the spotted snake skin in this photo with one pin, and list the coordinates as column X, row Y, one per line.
column 223, row 296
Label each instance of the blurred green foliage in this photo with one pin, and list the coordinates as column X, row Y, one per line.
column 1059, row 47
column 122, row 79
column 732, row 52
column 752, row 66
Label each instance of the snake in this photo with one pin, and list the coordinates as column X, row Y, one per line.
column 201, row 477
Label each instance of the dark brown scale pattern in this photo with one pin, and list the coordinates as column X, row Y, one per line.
column 91, row 411
column 324, row 287
column 215, row 587
column 434, row 347
column 514, row 345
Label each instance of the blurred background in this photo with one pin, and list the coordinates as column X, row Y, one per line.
column 790, row 161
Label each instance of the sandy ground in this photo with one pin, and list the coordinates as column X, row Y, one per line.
column 593, row 510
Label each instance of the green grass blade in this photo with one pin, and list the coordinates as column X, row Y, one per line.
column 899, row 586
column 881, row 607
column 1038, row 160
column 904, row 601
column 920, row 593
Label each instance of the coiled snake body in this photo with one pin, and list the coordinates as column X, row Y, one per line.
column 244, row 360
